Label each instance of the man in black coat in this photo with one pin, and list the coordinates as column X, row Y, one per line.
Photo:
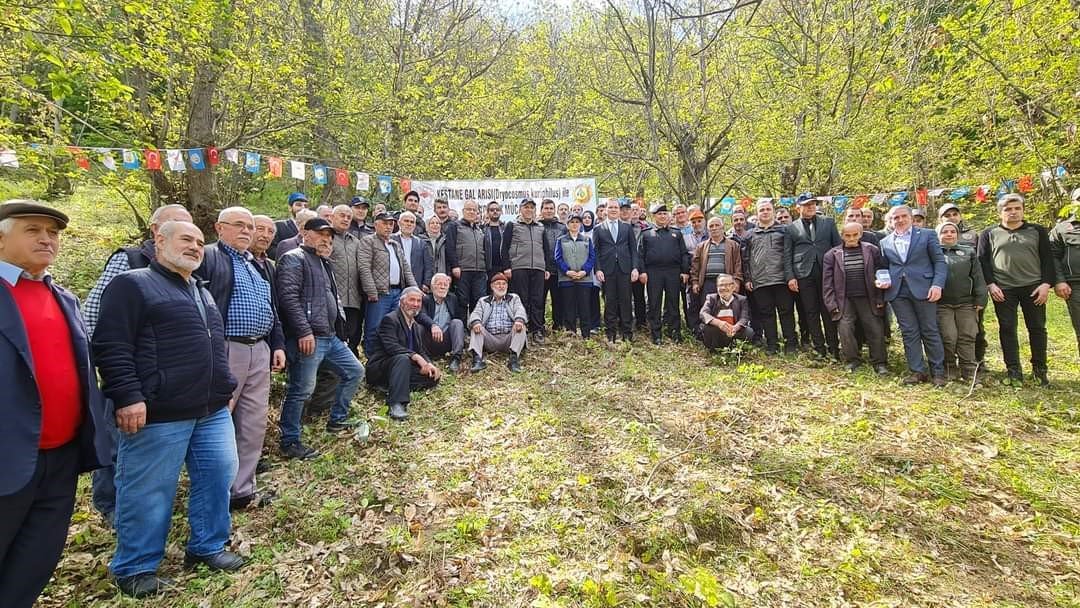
column 445, row 315
column 617, row 268
column 665, row 269
column 806, row 240
column 290, row 226
column 399, row 360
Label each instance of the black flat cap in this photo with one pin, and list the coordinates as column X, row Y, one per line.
column 317, row 223
column 22, row 207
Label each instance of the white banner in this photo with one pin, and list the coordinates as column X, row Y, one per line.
column 508, row 193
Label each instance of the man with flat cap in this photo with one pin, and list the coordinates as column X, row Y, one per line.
column 806, row 240
column 53, row 414
column 497, row 324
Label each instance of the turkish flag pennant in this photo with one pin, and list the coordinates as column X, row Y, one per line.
column 82, row 162
column 922, row 196
column 1025, row 184
column 275, row 165
column 153, row 160
column 213, row 156
column 341, row 177
column 982, row 194
column 860, row 201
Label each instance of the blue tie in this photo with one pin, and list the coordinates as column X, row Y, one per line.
column 409, row 333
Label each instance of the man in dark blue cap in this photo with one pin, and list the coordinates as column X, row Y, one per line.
column 665, row 269
column 359, row 227
column 287, row 228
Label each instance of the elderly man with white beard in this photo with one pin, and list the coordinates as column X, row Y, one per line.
column 160, row 350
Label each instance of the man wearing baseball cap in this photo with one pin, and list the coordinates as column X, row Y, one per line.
column 949, row 212
column 359, row 226
column 54, row 416
column 287, row 228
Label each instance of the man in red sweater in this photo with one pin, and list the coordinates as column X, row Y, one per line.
column 52, row 411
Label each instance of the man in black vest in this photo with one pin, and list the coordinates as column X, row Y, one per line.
column 122, row 260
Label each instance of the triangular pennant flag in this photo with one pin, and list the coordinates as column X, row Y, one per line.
column 727, row 204
column 9, row 159
column 405, row 184
column 898, row 199
column 74, row 150
column 153, row 160
column 196, row 159
column 922, row 197
column 386, row 184
column 1007, row 186
column 131, row 159
column 341, row 177
column 764, row 199
column 860, row 201
column 959, row 193
column 1025, row 184
column 937, row 192
column 274, row 163
column 175, row 158
column 82, row 162
column 297, row 169
column 319, row 175
column 251, row 162
column 745, row 203
column 878, row 198
column 363, row 181
column 233, row 156
column 839, row 203
column 1060, row 172
column 982, row 193
column 213, row 156
column 108, row 160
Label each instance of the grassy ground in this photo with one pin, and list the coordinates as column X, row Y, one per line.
column 652, row 476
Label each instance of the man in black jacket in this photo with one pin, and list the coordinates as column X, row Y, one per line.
column 617, row 268
column 288, row 227
column 806, row 240
column 665, row 269
column 446, row 316
column 312, row 319
column 553, row 229
column 400, row 361
column 254, row 341
column 160, row 350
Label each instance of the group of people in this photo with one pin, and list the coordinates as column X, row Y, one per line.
column 168, row 364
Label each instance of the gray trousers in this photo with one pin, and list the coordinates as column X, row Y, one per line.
column 250, row 365
column 859, row 314
column 453, row 340
column 959, row 324
column 513, row 342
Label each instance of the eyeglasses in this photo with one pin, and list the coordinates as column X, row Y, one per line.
column 241, row 225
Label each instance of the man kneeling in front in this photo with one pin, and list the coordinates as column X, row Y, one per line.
column 725, row 315
column 399, row 358
column 498, row 325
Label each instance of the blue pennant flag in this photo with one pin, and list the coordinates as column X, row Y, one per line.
column 787, row 201
column 131, row 159
column 840, row 203
column 1007, row 186
column 252, row 160
column 319, row 177
column 727, row 205
column 196, row 159
column 959, row 193
column 386, row 184
column 898, row 199
column 1060, row 171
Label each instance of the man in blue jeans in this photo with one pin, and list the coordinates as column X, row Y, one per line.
column 313, row 321
column 160, row 350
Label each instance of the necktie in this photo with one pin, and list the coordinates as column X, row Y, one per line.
column 615, row 231
column 409, row 333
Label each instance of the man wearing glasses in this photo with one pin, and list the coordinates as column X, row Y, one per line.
column 253, row 339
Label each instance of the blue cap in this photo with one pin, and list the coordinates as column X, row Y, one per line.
column 806, row 198
column 297, row 196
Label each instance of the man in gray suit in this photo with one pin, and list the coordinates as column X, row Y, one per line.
column 805, row 242
column 417, row 252
column 917, row 273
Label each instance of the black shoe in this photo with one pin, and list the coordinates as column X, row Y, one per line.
column 262, row 467
column 791, row 350
column 254, row 501
column 538, row 338
column 628, row 337
column 1042, row 379
column 881, row 369
column 226, row 561
column 852, row 367
column 396, row 411
column 455, row 364
column 338, row 427
column 1014, row 377
column 657, row 340
column 299, row 451
column 772, row 351
column 514, row 363
column 142, row 585
column 478, row 365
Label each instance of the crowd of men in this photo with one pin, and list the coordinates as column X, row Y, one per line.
column 169, row 362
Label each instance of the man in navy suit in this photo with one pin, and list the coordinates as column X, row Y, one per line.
column 617, row 268
column 52, row 410
column 917, row 273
